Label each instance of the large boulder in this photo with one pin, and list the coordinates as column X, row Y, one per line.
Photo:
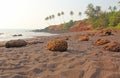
column 57, row 45
column 112, row 46
column 15, row 43
column 101, row 42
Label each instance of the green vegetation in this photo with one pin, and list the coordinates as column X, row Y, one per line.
column 80, row 14
column 116, row 27
column 62, row 13
column 71, row 13
column 100, row 19
column 68, row 25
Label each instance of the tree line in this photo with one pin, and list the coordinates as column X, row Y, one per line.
column 60, row 14
column 98, row 18
column 102, row 19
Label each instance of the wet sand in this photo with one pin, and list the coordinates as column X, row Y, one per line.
column 82, row 59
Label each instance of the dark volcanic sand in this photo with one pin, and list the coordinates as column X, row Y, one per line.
column 81, row 60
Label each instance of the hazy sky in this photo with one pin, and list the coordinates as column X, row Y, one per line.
column 30, row 14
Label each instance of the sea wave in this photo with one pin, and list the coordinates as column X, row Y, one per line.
column 12, row 34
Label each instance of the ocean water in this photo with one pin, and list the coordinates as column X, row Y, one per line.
column 7, row 34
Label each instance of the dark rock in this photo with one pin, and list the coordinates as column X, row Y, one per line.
column 37, row 70
column 14, row 35
column 18, row 76
column 15, row 43
column 1, row 33
column 19, row 34
column 84, row 38
column 105, row 32
column 101, row 42
column 112, row 46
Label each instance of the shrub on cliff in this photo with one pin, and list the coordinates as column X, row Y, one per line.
column 102, row 19
column 68, row 25
column 118, row 26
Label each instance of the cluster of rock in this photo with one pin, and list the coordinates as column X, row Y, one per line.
column 60, row 44
column 108, row 45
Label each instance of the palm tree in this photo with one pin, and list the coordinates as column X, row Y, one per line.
column 53, row 16
column 50, row 17
column 97, row 10
column 59, row 14
column 114, row 8
column 79, row 13
column 62, row 13
column 110, row 8
column 71, row 13
column 46, row 19
column 119, row 4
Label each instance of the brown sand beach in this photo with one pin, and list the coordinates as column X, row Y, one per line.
column 82, row 59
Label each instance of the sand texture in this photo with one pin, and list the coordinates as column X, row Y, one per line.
column 82, row 59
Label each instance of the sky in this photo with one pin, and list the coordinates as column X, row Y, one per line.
column 30, row 14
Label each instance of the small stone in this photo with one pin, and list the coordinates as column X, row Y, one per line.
column 105, row 32
column 84, row 38
column 37, row 70
column 101, row 42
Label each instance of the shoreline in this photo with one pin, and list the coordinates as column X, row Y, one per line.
column 22, row 35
